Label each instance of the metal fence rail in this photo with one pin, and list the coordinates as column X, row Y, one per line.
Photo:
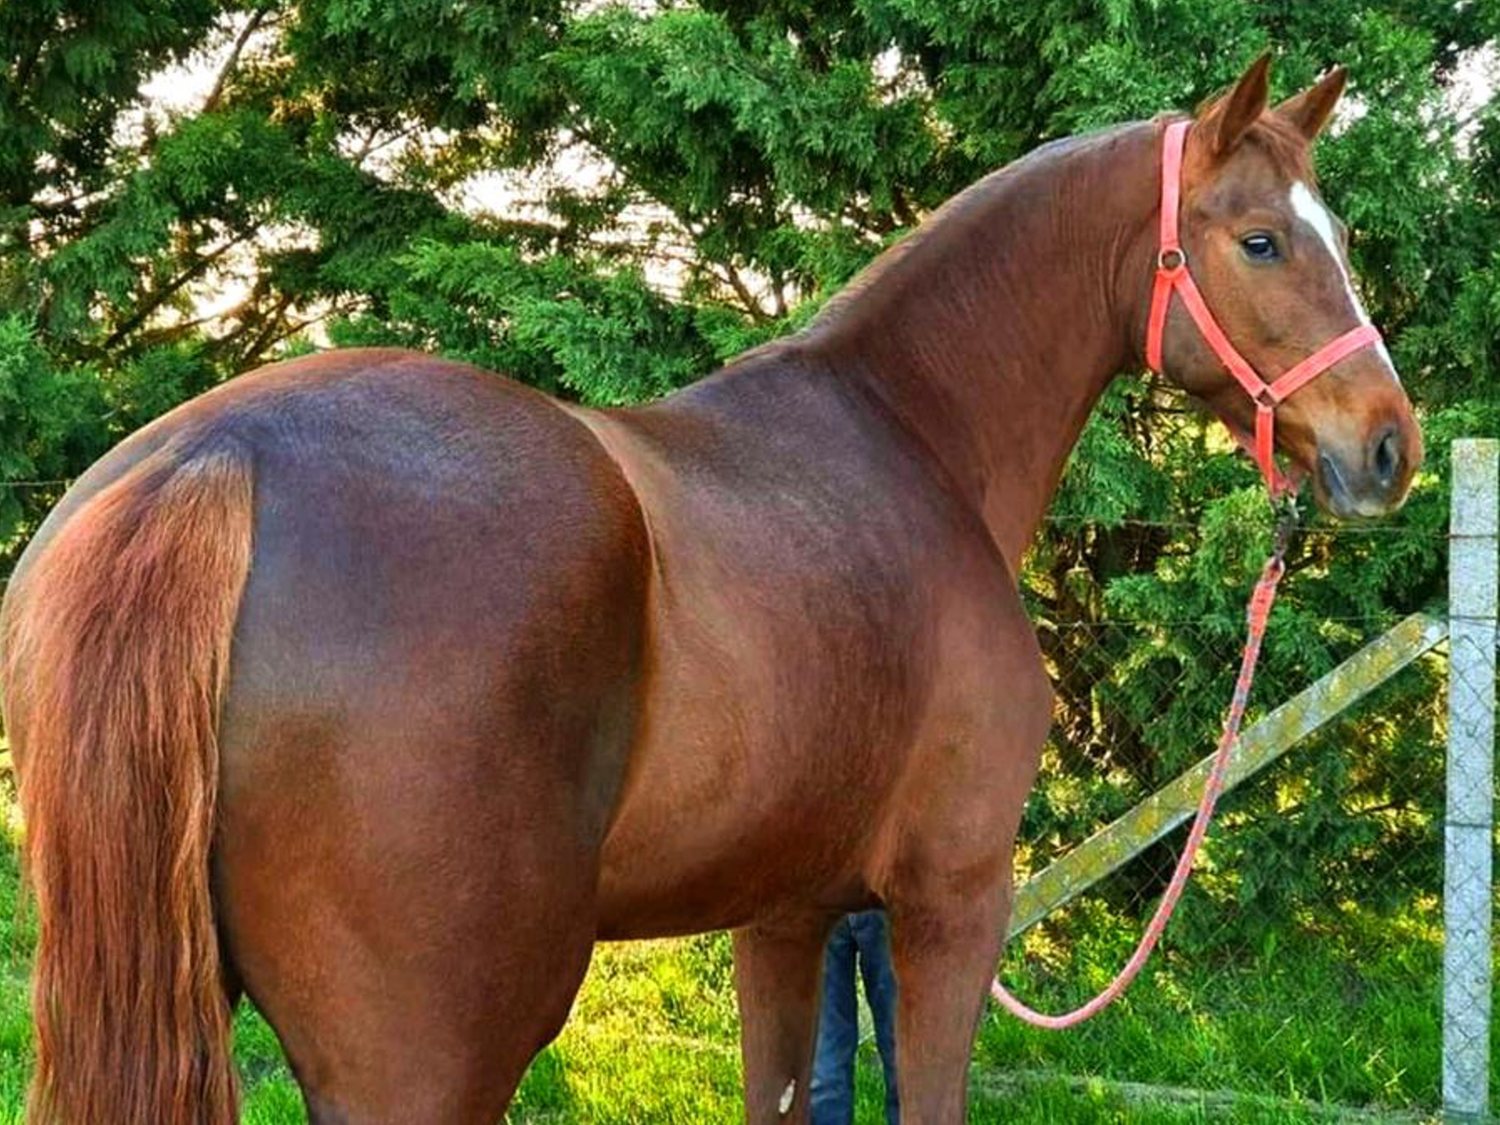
column 1121, row 841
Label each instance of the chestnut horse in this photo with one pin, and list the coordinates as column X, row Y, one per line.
column 379, row 688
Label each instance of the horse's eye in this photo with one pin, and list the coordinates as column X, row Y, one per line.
column 1260, row 247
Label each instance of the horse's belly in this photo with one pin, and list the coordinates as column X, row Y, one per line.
column 772, row 737
column 679, row 884
column 680, row 861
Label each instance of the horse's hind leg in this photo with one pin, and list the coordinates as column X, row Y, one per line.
column 413, row 919
column 777, row 970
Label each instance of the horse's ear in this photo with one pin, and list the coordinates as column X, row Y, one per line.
column 1232, row 115
column 1310, row 110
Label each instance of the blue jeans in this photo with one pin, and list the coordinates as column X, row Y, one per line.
column 832, row 1094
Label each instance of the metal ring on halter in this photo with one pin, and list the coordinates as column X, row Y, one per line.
column 1171, row 259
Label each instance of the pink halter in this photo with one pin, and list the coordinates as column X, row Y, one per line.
column 1172, row 275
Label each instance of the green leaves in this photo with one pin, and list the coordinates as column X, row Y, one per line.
column 605, row 338
column 608, row 200
column 51, row 421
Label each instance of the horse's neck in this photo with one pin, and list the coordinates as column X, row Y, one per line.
column 996, row 330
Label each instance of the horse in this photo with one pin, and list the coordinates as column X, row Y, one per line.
column 378, row 688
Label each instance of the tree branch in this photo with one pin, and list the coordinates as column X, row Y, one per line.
column 742, row 291
column 232, row 63
column 161, row 296
column 268, row 329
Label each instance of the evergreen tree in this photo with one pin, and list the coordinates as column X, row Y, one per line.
column 733, row 164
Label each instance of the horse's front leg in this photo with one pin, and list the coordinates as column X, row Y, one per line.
column 948, row 891
column 777, row 970
column 944, row 948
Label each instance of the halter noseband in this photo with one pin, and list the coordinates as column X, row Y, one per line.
column 1172, row 276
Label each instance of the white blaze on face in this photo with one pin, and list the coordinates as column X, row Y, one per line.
column 1309, row 208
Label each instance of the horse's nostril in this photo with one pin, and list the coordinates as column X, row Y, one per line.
column 1387, row 459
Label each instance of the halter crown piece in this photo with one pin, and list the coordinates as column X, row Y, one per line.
column 1172, row 276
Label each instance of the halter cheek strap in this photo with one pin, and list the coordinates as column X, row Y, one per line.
column 1172, row 276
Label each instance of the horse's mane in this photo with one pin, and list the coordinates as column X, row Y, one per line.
column 935, row 224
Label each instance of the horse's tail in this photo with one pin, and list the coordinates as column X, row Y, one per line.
column 116, row 646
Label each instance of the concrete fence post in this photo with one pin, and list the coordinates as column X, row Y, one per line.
column 1468, row 827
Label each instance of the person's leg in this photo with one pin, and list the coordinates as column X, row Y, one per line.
column 838, row 1033
column 872, row 936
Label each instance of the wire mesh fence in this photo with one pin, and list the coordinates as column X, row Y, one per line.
column 1305, row 960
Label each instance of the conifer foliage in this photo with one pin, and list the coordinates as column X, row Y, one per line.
column 608, row 199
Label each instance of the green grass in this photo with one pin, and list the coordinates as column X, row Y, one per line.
column 1345, row 1015
column 1345, row 1012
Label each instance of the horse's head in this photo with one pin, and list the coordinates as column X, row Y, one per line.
column 1270, row 260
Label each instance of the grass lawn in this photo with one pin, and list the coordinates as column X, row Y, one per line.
column 1325, row 1024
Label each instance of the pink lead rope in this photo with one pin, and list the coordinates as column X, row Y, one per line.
column 1260, row 609
column 1172, row 277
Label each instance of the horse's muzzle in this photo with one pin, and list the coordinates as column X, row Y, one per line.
column 1371, row 481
